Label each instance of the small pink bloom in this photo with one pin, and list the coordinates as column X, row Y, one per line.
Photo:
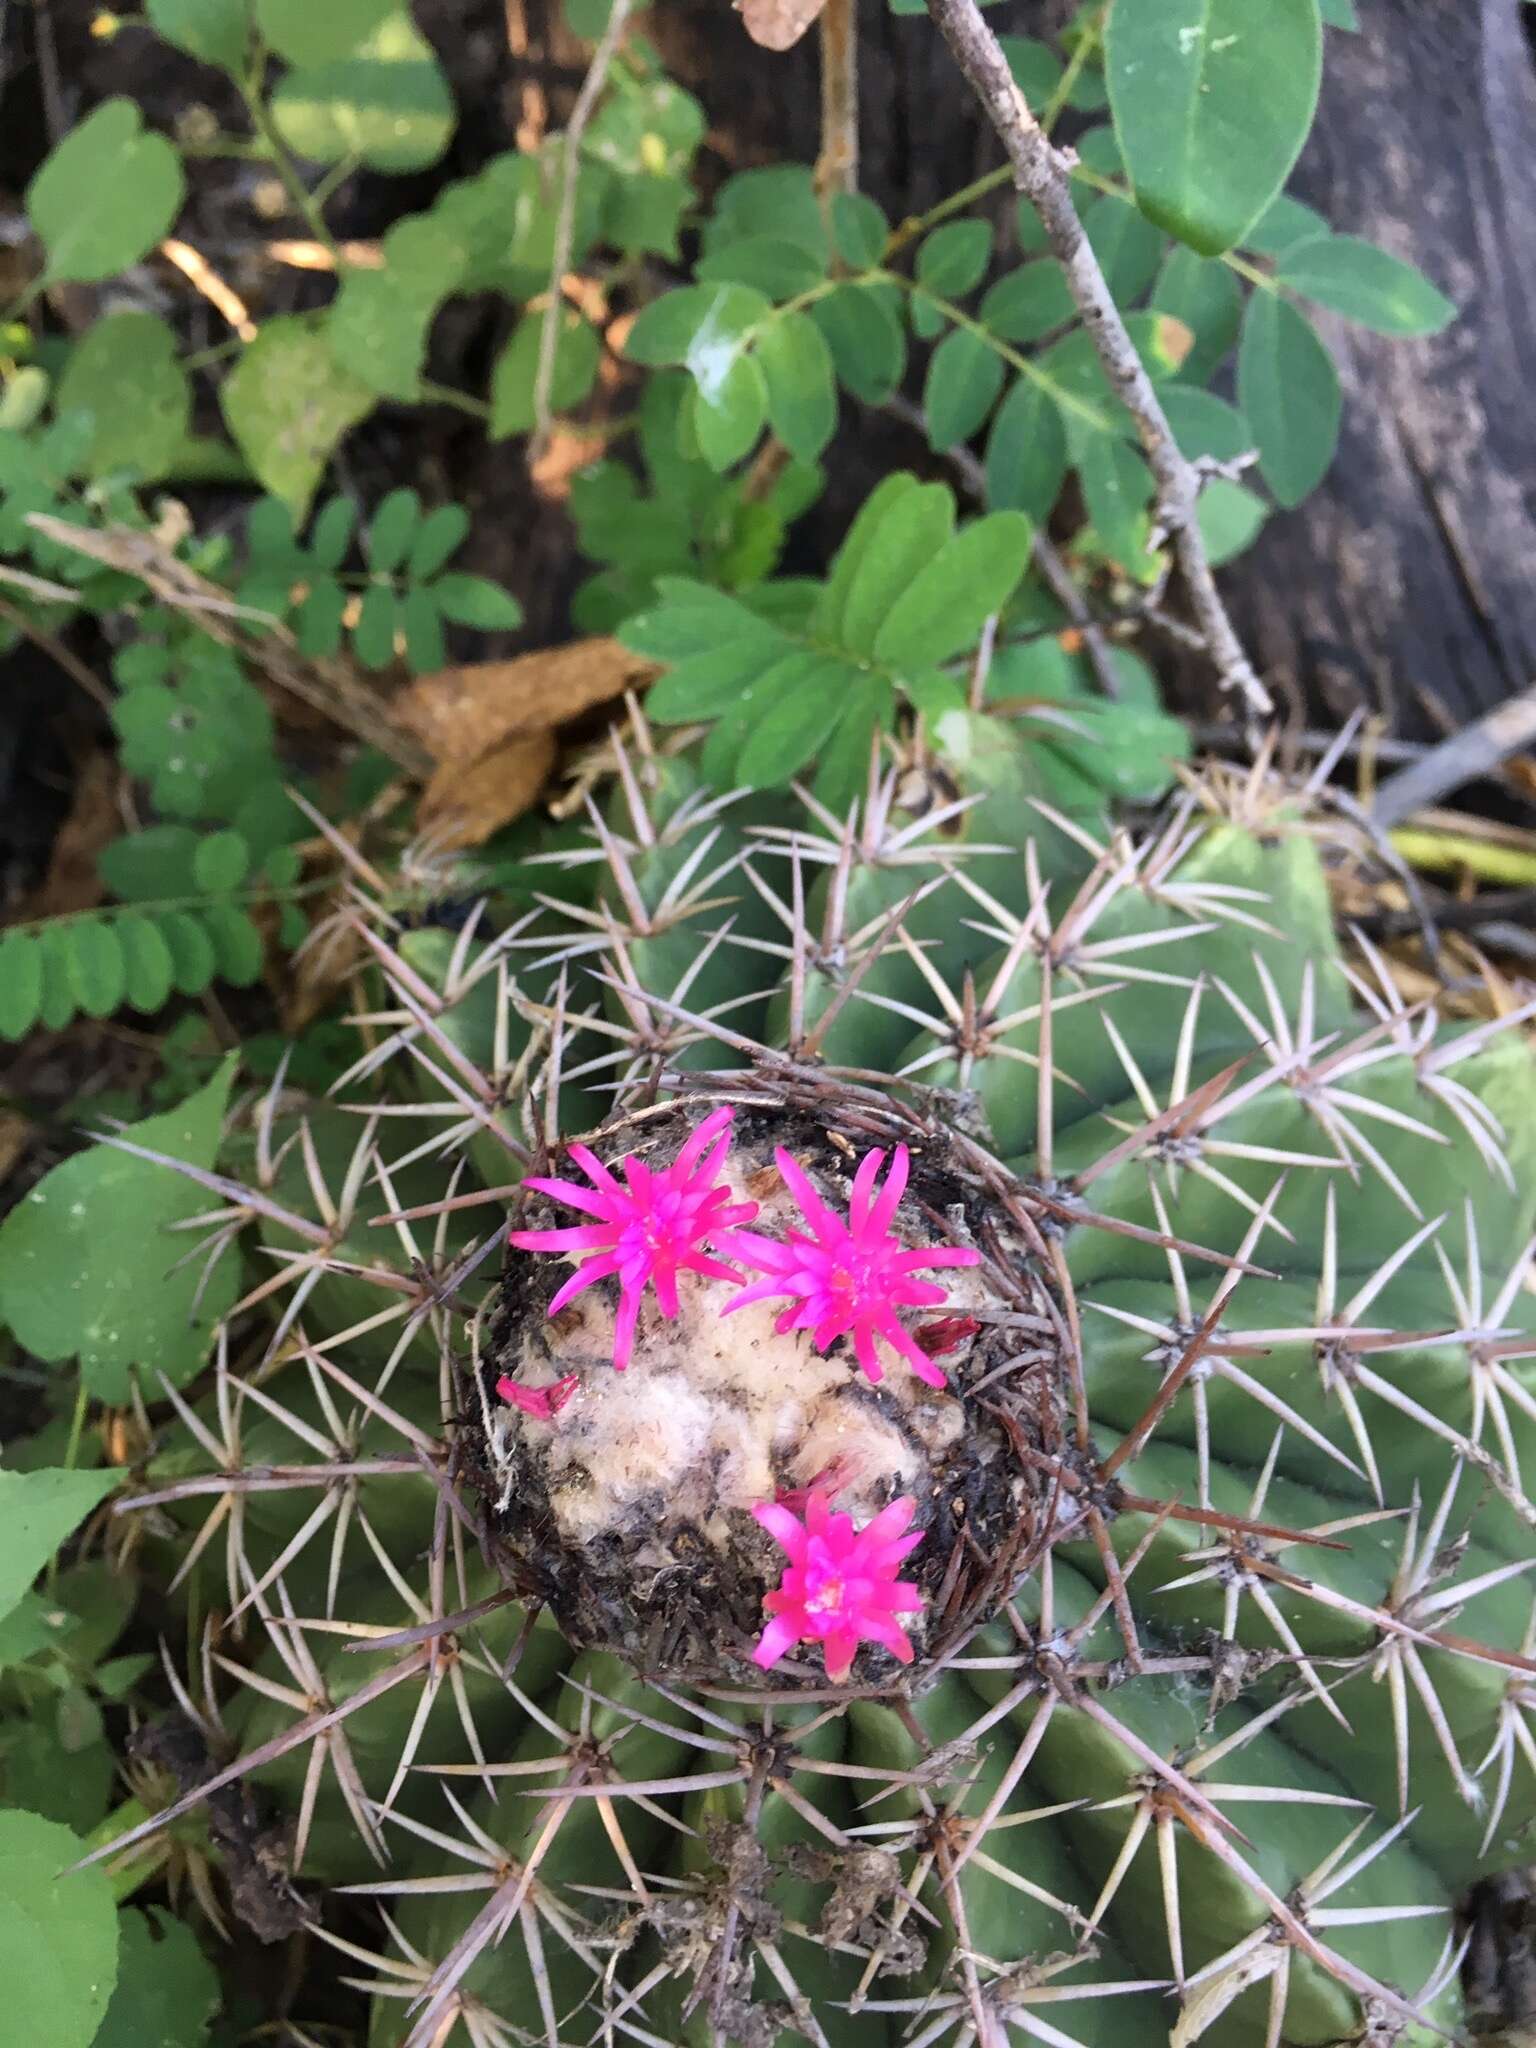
column 840, row 1587
column 647, row 1231
column 848, row 1276
column 542, row 1403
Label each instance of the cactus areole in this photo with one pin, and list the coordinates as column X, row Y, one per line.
column 636, row 1508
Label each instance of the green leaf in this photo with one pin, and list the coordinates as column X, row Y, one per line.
column 577, row 353
column 1212, row 101
column 663, row 329
column 779, row 199
column 425, row 649
column 1028, row 303
column 380, row 320
column 868, row 706
column 1340, row 14
column 147, row 969
column 331, row 535
column 889, row 553
column 38, row 1511
column 689, row 618
column 105, row 196
column 1026, row 458
column 1289, row 390
column 86, row 1260
column 388, row 105
column 860, row 229
column 1204, row 293
column 1206, row 425
column 200, row 743
column 306, row 34
column 952, row 260
column 1036, row 68
column 475, row 601
column 705, row 685
column 768, row 263
column 317, row 623
column 644, row 213
column 144, row 866
column 807, row 705
column 167, row 1990
column 193, row 965
column 287, row 402
column 730, row 409
column 869, row 349
column 237, row 944
column 58, row 1935
column 392, row 529
column 1117, row 489
column 221, row 863
column 1367, row 285
column 373, row 637
column 213, row 31
column 1230, row 517
column 443, row 532
column 33, row 1624
column 57, row 1006
column 802, row 391
column 96, row 971
column 21, row 984
column 965, row 375
column 1284, row 225
column 829, row 619
column 946, row 605
column 1128, row 245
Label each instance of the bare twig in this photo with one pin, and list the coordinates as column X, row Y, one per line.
column 201, row 275
column 565, row 222
column 1042, row 174
column 1467, row 755
column 837, row 168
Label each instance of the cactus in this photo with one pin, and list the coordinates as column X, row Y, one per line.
column 1212, row 1698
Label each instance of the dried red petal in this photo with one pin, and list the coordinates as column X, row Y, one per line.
column 542, row 1403
column 945, row 1333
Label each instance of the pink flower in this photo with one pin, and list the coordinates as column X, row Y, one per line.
column 845, row 1278
column 542, row 1403
column 840, row 1587
column 647, row 1231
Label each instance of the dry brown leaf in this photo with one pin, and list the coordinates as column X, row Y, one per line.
column 72, row 882
column 778, row 24
column 460, row 714
column 464, row 804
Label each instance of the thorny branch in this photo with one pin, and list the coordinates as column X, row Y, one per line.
column 1041, row 172
column 565, row 221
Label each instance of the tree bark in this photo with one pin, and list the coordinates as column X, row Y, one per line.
column 1406, row 581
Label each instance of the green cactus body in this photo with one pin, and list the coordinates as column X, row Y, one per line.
column 1220, row 1689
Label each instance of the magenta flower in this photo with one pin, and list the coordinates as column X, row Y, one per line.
column 840, row 1587
column 848, row 1276
column 647, row 1231
column 542, row 1403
